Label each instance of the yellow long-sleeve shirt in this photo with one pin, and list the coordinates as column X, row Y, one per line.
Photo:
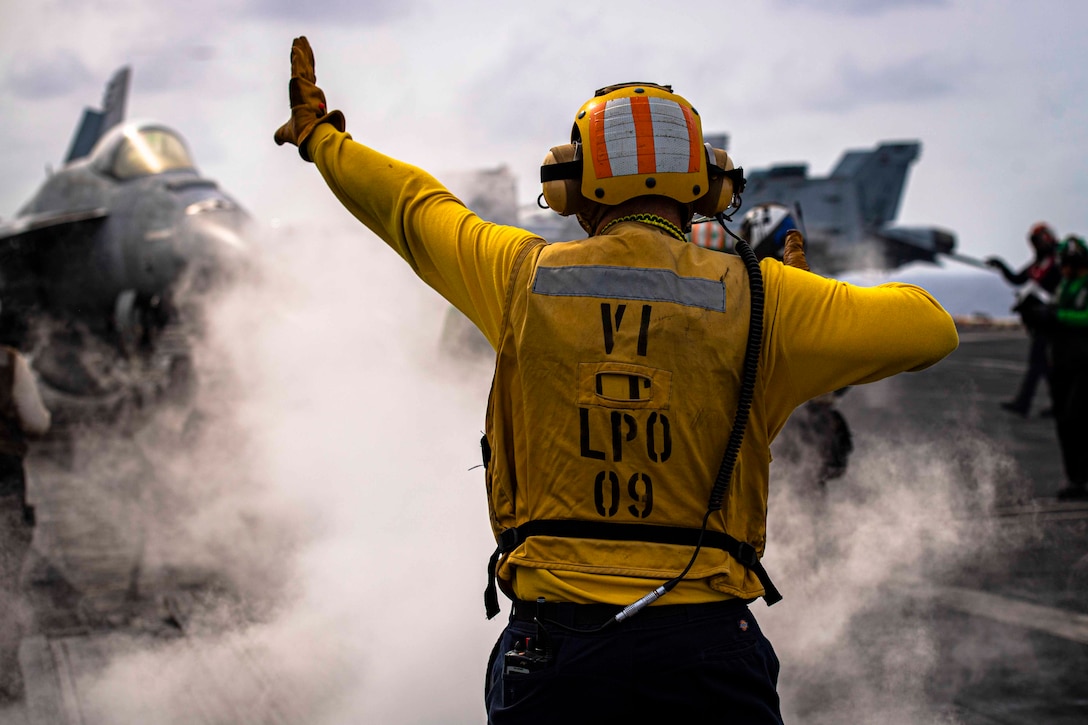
column 819, row 334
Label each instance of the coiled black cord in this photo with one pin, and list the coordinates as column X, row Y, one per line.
column 751, row 365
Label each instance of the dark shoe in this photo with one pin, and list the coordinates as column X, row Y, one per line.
column 1013, row 406
column 1073, row 492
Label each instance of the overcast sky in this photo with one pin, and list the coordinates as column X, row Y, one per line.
column 993, row 89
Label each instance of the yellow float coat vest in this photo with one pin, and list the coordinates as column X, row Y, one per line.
column 618, row 372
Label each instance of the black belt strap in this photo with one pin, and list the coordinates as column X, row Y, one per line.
column 511, row 538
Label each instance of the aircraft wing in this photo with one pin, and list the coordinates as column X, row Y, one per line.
column 30, row 246
column 52, row 223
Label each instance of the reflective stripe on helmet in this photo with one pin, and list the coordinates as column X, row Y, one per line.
column 643, row 135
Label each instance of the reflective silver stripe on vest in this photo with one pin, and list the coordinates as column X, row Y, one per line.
column 630, row 283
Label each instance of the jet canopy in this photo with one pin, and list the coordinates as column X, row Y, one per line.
column 132, row 150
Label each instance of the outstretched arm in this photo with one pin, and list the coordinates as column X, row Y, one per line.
column 1016, row 278
column 823, row 334
column 464, row 258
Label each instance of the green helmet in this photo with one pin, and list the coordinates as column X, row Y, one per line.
column 1073, row 251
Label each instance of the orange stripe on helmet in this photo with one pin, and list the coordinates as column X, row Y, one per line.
column 644, row 135
column 602, row 167
column 694, row 140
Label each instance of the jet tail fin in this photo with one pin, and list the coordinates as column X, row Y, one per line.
column 880, row 176
column 96, row 123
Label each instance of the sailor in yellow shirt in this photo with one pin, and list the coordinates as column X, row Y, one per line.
column 639, row 382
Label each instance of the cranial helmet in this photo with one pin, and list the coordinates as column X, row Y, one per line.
column 1041, row 235
column 765, row 227
column 1073, row 251
column 638, row 139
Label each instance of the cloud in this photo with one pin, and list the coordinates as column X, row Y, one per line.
column 521, row 108
column 860, row 7
column 179, row 66
column 46, row 76
column 855, row 85
column 367, row 12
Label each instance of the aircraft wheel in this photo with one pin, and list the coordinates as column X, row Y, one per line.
column 131, row 322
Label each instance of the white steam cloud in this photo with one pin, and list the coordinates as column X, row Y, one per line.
column 325, row 485
column 855, row 645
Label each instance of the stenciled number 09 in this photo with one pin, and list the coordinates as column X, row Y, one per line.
column 606, row 494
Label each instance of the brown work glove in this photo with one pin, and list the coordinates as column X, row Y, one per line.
column 793, row 253
column 308, row 108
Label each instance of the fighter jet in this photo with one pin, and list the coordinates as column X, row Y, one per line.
column 109, row 251
column 847, row 217
column 110, row 238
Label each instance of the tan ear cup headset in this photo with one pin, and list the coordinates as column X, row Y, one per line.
column 561, row 177
column 726, row 184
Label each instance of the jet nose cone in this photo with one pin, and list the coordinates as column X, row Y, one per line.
column 219, row 250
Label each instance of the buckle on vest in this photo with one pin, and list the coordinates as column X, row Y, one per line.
column 508, row 540
column 747, row 555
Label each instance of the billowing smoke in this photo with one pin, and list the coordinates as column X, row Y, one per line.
column 315, row 518
column 856, row 557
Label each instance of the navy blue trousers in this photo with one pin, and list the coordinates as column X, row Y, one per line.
column 685, row 663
